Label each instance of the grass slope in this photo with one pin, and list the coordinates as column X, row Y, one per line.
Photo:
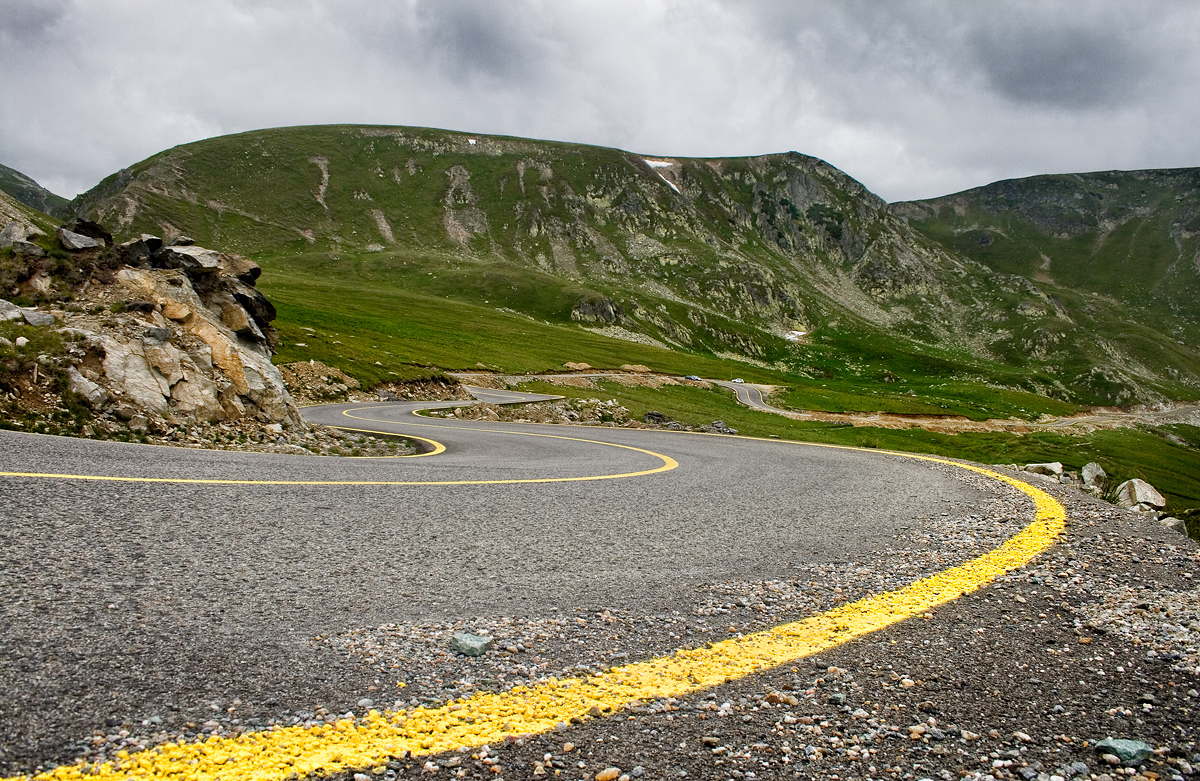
column 29, row 192
column 708, row 257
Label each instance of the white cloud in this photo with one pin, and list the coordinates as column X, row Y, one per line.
column 915, row 99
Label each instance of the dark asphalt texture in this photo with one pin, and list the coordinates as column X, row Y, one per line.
column 122, row 599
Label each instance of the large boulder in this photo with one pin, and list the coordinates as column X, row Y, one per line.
column 243, row 356
column 93, row 230
column 73, row 241
column 37, row 318
column 1053, row 469
column 192, row 259
column 17, row 232
column 1095, row 479
column 1140, row 495
column 10, row 311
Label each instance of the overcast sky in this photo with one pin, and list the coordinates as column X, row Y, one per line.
column 914, row 99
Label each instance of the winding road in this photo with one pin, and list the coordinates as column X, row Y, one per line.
column 136, row 575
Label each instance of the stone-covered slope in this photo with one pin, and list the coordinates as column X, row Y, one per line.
column 1116, row 251
column 143, row 335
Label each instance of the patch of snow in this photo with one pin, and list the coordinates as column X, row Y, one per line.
column 794, row 336
column 662, row 164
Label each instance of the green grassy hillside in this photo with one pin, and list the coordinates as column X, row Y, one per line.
column 718, row 259
column 1129, row 238
column 29, row 192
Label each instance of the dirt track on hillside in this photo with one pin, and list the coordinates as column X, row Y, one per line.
column 1082, row 423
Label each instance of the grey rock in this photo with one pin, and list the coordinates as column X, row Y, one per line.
column 14, row 231
column 9, row 311
column 1174, row 524
column 1094, row 477
column 1124, row 749
column 5, row 344
column 191, row 259
column 1140, row 495
column 77, row 241
column 36, row 318
column 656, row 418
column 1053, row 469
column 469, row 644
column 139, row 251
column 718, row 427
column 20, row 341
column 139, row 423
column 17, row 231
column 93, row 230
column 29, row 249
column 837, row 698
column 93, row 394
column 366, row 702
column 158, row 334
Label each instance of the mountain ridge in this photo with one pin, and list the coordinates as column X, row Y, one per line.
column 721, row 256
column 24, row 189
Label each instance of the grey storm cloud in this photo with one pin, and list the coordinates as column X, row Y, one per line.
column 915, row 98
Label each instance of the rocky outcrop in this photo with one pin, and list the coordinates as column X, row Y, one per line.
column 1095, row 479
column 181, row 335
column 1140, row 495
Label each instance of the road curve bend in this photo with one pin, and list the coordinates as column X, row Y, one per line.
column 141, row 574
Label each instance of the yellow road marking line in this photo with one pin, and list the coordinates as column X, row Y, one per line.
column 490, row 717
column 437, row 447
column 668, row 464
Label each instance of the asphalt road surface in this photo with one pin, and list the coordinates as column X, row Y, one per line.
column 125, row 596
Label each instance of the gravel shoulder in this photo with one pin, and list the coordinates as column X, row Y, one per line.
column 1099, row 638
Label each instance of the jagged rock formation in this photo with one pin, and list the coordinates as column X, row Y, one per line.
column 197, row 342
column 173, row 333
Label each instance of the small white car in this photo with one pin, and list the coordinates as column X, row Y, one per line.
column 738, row 379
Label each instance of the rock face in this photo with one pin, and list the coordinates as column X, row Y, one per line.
column 194, row 343
column 1054, row 469
column 1140, row 495
column 1095, row 479
column 76, row 241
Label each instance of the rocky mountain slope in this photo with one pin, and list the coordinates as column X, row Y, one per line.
column 1087, row 241
column 142, row 336
column 779, row 259
column 25, row 190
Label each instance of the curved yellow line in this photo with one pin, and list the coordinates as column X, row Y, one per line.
column 436, row 447
column 490, row 717
column 668, row 464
